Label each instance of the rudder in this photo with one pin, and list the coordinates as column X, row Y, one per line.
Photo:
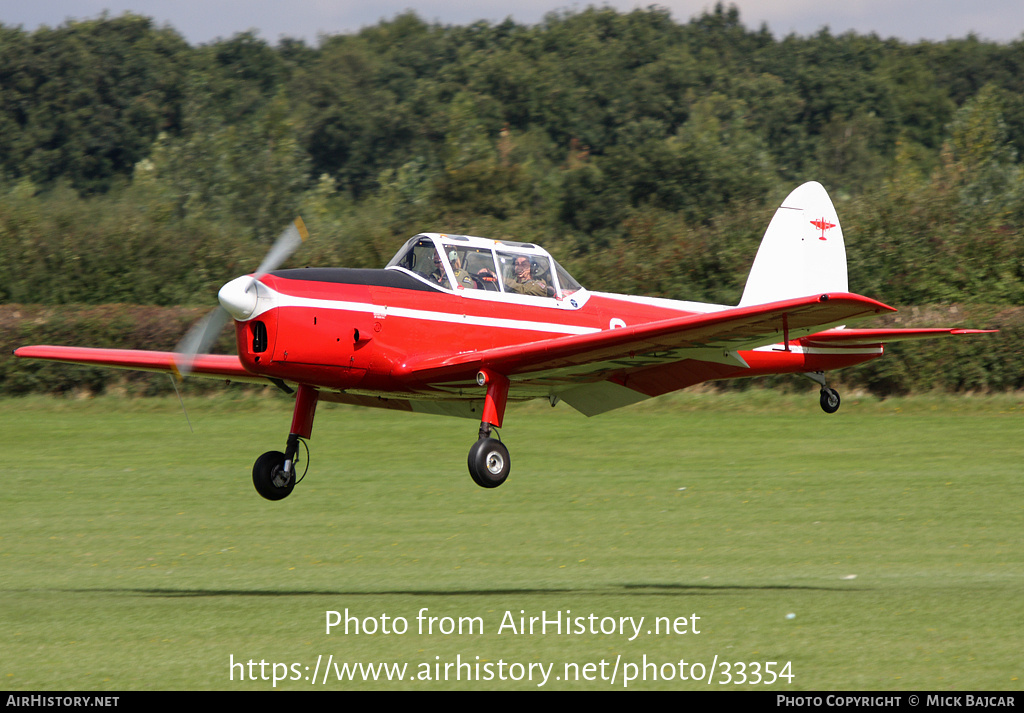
column 802, row 252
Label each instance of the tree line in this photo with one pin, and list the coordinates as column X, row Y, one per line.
column 647, row 154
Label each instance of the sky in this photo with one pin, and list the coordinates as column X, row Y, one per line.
column 201, row 21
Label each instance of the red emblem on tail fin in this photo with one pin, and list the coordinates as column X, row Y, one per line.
column 823, row 225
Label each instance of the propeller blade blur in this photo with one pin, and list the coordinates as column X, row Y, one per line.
column 283, row 247
column 199, row 339
column 204, row 333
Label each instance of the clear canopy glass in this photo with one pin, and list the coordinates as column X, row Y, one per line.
column 458, row 262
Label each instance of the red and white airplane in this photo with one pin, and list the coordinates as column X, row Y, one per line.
column 460, row 326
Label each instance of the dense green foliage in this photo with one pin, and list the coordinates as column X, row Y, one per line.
column 647, row 154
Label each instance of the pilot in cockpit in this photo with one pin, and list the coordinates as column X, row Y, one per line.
column 523, row 281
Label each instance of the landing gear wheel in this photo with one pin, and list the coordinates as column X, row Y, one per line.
column 489, row 463
column 269, row 477
column 829, row 400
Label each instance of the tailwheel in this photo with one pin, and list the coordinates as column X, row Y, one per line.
column 489, row 462
column 829, row 400
column 270, row 477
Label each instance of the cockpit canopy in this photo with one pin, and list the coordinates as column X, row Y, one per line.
column 461, row 262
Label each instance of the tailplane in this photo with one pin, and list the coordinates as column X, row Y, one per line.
column 802, row 252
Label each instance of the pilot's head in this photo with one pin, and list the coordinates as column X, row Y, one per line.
column 521, row 266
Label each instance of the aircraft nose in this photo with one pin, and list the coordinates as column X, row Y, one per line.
column 239, row 297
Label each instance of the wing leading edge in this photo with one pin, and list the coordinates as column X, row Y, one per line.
column 216, row 366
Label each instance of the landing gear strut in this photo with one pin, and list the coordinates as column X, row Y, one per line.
column 273, row 474
column 489, row 461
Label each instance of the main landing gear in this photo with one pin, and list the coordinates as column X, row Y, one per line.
column 489, row 461
column 829, row 398
column 273, row 474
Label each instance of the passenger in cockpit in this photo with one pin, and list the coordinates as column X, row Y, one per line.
column 462, row 278
column 439, row 276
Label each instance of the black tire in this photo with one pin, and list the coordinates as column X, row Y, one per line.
column 269, row 468
column 489, row 463
column 829, row 400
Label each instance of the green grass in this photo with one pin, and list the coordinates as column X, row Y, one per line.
column 136, row 555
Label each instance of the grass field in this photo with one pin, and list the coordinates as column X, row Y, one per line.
column 878, row 548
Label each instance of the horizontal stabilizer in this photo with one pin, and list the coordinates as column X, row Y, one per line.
column 866, row 337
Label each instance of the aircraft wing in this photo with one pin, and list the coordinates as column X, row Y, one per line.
column 715, row 336
column 214, row 366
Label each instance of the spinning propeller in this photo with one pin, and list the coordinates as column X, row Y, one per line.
column 204, row 333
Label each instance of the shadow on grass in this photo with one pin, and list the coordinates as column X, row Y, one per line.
column 611, row 590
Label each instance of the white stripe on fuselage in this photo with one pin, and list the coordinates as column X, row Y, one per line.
column 665, row 303
column 279, row 299
column 270, row 299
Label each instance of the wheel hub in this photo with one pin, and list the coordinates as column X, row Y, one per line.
column 495, row 463
column 280, row 478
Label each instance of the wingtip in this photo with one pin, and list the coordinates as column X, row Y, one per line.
column 879, row 307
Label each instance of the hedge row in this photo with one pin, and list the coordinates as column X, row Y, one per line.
column 119, row 326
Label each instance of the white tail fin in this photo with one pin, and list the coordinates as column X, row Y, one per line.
column 802, row 252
